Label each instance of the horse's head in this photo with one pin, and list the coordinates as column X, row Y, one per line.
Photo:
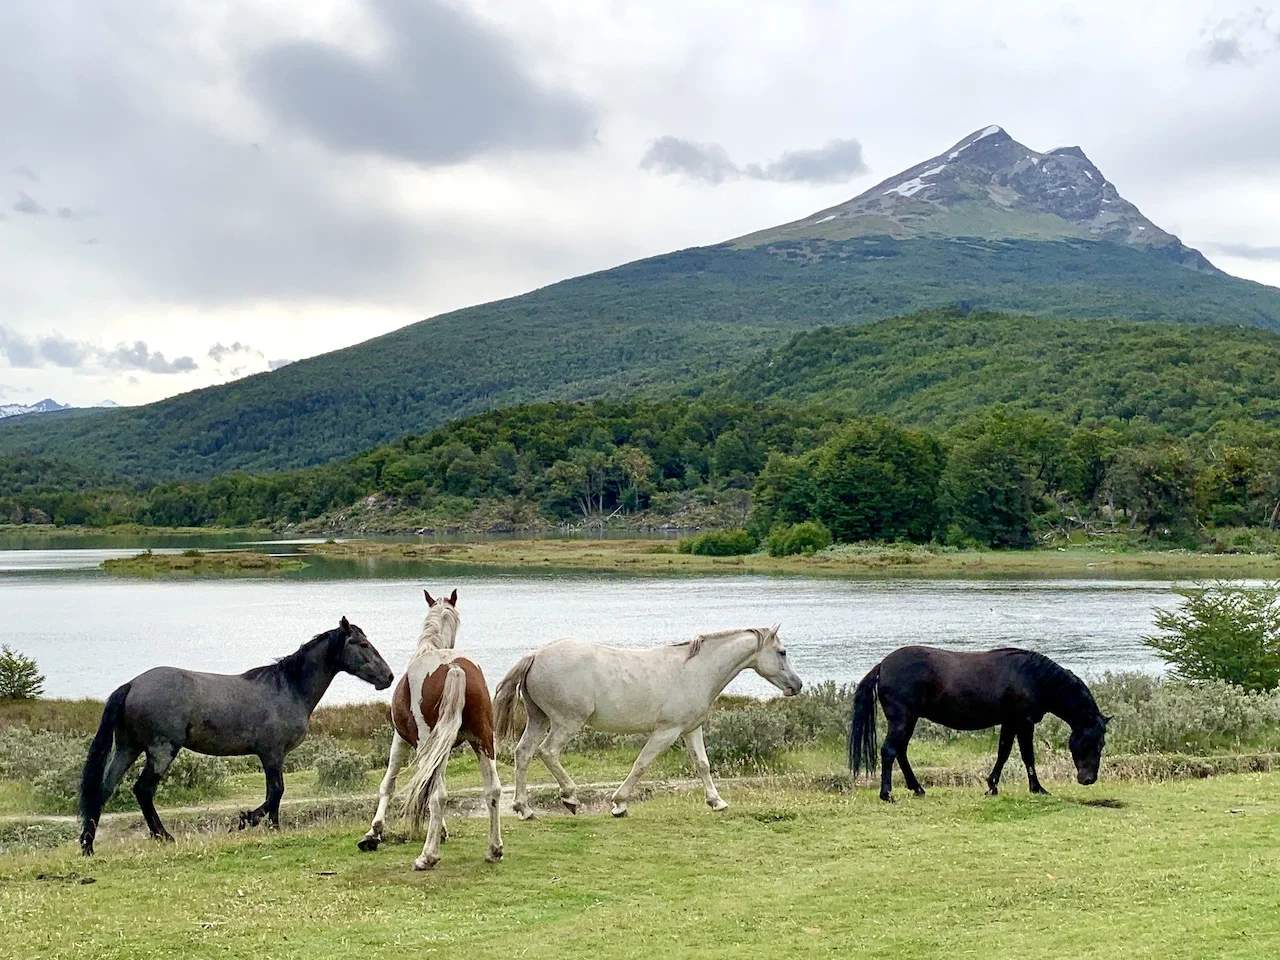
column 1086, row 748
column 361, row 660
column 772, row 663
column 440, row 628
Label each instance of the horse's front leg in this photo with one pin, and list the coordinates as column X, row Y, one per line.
column 386, row 790
column 1002, row 755
column 1026, row 745
column 698, row 753
column 659, row 740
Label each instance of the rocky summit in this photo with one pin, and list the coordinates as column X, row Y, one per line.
column 990, row 186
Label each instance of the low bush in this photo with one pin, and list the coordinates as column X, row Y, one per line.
column 745, row 738
column 341, row 769
column 803, row 538
column 719, row 543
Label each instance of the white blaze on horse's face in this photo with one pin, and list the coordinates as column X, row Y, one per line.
column 774, row 665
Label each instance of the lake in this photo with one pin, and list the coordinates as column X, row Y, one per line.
column 90, row 633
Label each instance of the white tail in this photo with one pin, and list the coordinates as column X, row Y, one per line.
column 433, row 752
column 508, row 718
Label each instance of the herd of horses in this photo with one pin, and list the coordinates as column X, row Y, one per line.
column 442, row 701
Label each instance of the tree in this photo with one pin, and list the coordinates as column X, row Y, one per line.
column 1223, row 632
column 20, row 678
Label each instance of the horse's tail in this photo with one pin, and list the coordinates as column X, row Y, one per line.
column 862, row 724
column 433, row 752
column 508, row 718
column 95, row 765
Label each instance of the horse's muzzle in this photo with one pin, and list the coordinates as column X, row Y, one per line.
column 1086, row 779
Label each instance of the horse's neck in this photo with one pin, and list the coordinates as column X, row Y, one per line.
column 437, row 634
column 1071, row 703
column 719, row 661
column 317, row 675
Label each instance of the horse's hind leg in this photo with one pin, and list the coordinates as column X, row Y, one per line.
column 386, row 790
column 273, row 770
column 1026, row 745
column 492, row 797
column 698, row 753
column 159, row 757
column 1007, row 732
column 908, row 775
column 900, row 725
column 117, row 767
column 535, row 731
column 430, row 855
column 561, row 734
column 658, row 741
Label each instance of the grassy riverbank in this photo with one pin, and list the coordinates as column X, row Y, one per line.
column 1178, row 869
column 651, row 557
column 200, row 563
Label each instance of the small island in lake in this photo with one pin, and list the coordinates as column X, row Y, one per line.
column 198, row 562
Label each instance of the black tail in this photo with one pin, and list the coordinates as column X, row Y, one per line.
column 862, row 725
column 91, row 798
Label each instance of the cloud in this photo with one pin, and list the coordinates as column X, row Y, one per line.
column 25, row 173
column 1245, row 251
column 24, row 204
column 218, row 352
column 81, row 356
column 443, row 88
column 708, row 162
column 835, row 162
column 277, row 364
column 1245, row 39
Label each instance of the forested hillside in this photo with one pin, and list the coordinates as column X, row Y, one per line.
column 936, row 368
column 648, row 327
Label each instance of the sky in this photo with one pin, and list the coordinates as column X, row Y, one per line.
column 196, row 190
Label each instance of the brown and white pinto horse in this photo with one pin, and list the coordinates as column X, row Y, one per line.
column 441, row 701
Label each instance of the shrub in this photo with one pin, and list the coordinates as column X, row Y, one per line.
column 719, row 543
column 20, row 678
column 340, row 769
column 745, row 738
column 808, row 537
column 1223, row 632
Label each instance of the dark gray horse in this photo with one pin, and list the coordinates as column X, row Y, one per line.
column 263, row 712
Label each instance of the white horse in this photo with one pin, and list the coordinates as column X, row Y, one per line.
column 442, row 684
column 666, row 692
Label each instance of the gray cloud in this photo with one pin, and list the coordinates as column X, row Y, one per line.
column 24, row 204
column 138, row 357
column 1245, row 39
column 835, row 162
column 25, row 173
column 1245, row 251
column 59, row 351
column 277, row 364
column 444, row 88
column 218, row 352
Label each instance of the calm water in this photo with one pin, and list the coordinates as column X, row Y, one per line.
column 90, row 633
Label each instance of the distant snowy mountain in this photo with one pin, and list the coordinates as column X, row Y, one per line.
column 44, row 406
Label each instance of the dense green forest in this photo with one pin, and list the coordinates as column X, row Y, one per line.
column 650, row 328
column 935, row 368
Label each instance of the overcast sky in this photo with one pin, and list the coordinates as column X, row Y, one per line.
column 193, row 190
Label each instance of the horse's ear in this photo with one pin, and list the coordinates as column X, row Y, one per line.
column 453, row 599
column 775, row 628
column 430, row 602
column 344, row 625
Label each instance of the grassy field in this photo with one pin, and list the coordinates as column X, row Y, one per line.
column 200, row 563
column 1176, row 869
column 659, row 558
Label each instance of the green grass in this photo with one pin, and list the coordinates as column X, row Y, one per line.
column 199, row 563
column 1179, row 869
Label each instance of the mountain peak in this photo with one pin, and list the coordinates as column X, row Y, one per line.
column 989, row 185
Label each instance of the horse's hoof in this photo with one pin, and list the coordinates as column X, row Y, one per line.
column 619, row 810
column 494, row 855
column 369, row 844
column 1040, row 790
column 717, row 804
column 887, row 797
column 527, row 814
column 993, row 792
column 918, row 791
column 424, row 863
column 571, row 804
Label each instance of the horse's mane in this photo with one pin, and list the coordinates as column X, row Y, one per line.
column 695, row 645
column 290, row 666
column 431, row 627
column 1074, row 690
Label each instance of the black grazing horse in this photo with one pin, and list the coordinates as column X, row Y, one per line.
column 971, row 691
column 264, row 712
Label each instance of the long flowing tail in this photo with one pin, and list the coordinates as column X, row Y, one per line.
column 95, row 765
column 508, row 719
column 433, row 752
column 862, row 724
